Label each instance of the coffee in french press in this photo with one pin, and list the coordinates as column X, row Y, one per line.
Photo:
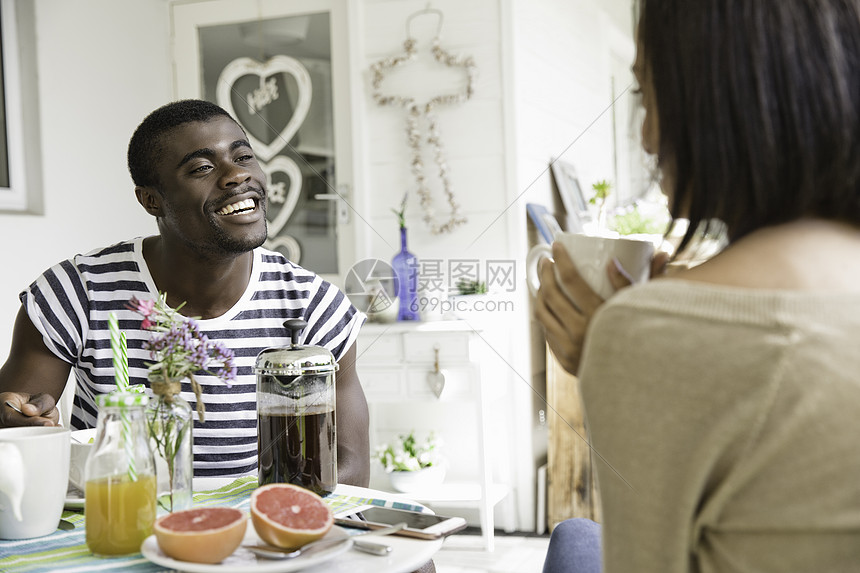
column 297, row 433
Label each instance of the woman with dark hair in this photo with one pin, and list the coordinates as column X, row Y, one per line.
column 723, row 402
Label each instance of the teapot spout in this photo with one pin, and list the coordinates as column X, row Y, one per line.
column 12, row 477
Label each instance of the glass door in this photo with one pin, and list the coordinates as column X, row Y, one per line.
column 280, row 69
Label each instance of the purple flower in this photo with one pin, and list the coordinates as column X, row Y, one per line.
column 178, row 347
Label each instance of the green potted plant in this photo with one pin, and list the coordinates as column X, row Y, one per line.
column 634, row 220
column 411, row 465
column 601, row 193
column 645, row 218
column 468, row 286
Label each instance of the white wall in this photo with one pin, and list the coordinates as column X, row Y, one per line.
column 473, row 135
column 97, row 79
column 472, row 132
column 558, row 80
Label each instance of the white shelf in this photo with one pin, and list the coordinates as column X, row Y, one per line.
column 463, row 494
column 443, row 326
column 393, row 365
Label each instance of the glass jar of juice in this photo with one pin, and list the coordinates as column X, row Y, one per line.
column 119, row 503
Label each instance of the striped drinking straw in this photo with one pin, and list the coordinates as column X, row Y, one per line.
column 119, row 350
column 122, row 382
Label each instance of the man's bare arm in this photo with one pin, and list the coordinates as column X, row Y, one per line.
column 32, row 378
column 353, row 443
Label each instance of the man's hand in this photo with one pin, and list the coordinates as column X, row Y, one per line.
column 38, row 410
column 32, row 379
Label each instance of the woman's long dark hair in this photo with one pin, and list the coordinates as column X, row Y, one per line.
column 759, row 108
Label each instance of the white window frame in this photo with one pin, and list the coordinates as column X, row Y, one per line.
column 24, row 191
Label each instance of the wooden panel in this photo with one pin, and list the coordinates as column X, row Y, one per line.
column 571, row 487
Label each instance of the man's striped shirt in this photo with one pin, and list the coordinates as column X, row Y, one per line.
column 70, row 305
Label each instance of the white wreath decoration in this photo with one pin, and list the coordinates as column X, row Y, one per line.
column 413, row 132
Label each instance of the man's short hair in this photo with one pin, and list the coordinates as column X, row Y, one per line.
column 145, row 147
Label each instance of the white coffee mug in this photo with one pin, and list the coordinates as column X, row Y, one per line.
column 34, row 477
column 591, row 255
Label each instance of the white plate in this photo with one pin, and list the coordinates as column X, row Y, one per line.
column 74, row 503
column 242, row 560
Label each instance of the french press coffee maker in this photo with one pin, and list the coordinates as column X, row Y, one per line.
column 296, row 433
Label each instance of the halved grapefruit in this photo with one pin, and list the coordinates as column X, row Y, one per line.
column 202, row 535
column 289, row 516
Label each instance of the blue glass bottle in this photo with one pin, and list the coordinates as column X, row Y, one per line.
column 406, row 267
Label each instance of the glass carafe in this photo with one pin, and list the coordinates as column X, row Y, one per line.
column 297, row 433
column 120, row 477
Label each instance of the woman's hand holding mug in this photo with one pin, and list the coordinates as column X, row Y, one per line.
column 586, row 271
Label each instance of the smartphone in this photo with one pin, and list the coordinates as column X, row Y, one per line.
column 420, row 525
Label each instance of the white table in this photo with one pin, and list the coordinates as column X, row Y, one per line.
column 62, row 550
column 406, row 555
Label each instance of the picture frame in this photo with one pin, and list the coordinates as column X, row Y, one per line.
column 571, row 194
column 544, row 221
column 20, row 166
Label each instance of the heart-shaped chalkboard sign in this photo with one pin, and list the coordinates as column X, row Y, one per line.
column 284, row 185
column 262, row 106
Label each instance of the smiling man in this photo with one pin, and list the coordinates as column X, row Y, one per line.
column 195, row 172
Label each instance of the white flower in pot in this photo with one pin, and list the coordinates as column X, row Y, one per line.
column 412, row 466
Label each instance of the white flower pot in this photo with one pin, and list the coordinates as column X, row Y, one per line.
column 406, row 482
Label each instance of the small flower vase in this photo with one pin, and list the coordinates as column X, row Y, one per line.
column 170, row 426
column 406, row 268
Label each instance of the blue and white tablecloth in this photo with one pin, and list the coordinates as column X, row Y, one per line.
column 67, row 550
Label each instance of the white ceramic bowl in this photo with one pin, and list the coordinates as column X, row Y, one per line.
column 81, row 446
column 407, row 482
